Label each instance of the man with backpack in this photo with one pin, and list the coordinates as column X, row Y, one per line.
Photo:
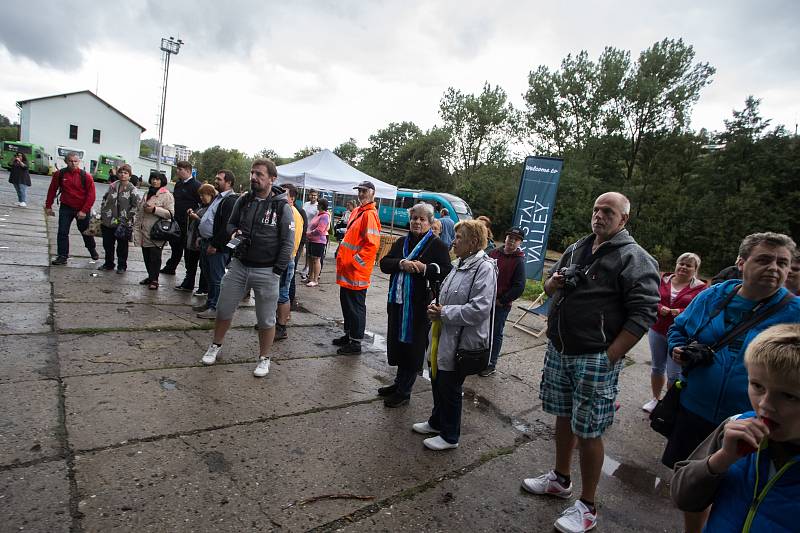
column 75, row 187
column 262, row 229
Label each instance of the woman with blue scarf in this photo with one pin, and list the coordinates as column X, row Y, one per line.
column 408, row 263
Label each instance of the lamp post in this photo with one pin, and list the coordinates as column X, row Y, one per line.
column 168, row 46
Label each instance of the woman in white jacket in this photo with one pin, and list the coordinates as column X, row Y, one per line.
column 465, row 306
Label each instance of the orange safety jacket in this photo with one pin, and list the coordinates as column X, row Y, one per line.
column 356, row 255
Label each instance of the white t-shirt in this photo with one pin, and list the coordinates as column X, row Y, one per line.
column 310, row 209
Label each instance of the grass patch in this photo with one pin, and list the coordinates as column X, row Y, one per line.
column 532, row 289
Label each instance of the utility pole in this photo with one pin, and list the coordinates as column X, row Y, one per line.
column 168, row 47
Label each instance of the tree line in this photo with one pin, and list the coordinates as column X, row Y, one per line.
column 621, row 123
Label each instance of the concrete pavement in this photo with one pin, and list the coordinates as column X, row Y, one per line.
column 109, row 422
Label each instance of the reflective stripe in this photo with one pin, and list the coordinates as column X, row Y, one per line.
column 351, row 282
column 372, row 231
column 351, row 246
column 359, row 260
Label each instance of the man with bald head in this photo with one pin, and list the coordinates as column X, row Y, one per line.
column 604, row 297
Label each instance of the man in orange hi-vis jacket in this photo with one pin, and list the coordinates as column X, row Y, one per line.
column 354, row 261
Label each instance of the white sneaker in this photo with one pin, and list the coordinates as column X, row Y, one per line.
column 547, row 484
column 438, row 443
column 23, row 204
column 210, row 357
column 649, row 406
column 424, row 428
column 576, row 519
column 262, row 369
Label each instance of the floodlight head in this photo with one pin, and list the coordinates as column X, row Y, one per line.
column 170, row 46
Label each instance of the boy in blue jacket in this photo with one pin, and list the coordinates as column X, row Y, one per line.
column 748, row 470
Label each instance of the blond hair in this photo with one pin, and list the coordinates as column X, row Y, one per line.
column 475, row 233
column 689, row 255
column 778, row 349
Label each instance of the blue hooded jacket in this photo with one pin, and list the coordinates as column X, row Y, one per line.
column 719, row 391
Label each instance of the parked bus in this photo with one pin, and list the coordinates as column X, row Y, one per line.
column 39, row 161
column 62, row 151
column 406, row 198
column 104, row 165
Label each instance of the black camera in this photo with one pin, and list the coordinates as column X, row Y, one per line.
column 696, row 354
column 239, row 245
column 572, row 276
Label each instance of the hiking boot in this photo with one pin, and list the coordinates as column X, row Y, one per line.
column 60, row 260
column 547, row 484
column 577, row 518
column 262, row 369
column 341, row 341
column 352, row 348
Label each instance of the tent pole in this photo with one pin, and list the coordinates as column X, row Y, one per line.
column 393, row 209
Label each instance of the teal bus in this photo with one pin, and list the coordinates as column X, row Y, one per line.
column 457, row 208
column 39, row 161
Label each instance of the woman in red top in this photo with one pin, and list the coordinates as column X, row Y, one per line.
column 676, row 290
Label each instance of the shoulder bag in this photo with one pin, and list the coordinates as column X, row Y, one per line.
column 165, row 229
column 469, row 362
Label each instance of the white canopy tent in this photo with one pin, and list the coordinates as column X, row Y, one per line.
column 325, row 171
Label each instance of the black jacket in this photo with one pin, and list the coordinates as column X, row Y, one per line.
column 435, row 251
column 185, row 197
column 220, row 235
column 267, row 228
column 618, row 288
column 19, row 174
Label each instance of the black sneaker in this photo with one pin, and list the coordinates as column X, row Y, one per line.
column 167, row 271
column 341, row 341
column 280, row 332
column 105, row 267
column 145, row 281
column 60, row 260
column 183, row 288
column 396, row 400
column 95, row 255
column 199, row 308
column 486, row 372
column 352, row 348
column 121, row 270
column 387, row 390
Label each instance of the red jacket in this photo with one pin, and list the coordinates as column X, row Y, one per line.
column 72, row 192
column 682, row 300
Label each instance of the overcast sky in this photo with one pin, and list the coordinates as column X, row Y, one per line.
column 283, row 75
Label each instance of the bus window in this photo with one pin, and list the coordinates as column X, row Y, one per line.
column 18, row 148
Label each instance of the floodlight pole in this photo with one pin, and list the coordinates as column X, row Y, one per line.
column 168, row 46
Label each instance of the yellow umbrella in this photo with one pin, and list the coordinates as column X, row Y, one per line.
column 436, row 329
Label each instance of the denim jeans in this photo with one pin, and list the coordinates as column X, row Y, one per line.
column 22, row 192
column 405, row 378
column 500, row 316
column 214, row 267
column 66, row 215
column 446, row 414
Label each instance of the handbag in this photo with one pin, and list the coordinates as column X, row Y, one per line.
column 165, row 229
column 94, row 226
column 663, row 417
column 469, row 362
column 123, row 232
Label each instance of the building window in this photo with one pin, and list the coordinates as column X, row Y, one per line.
column 73, row 131
column 96, row 136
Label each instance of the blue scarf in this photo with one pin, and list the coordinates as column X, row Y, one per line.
column 400, row 288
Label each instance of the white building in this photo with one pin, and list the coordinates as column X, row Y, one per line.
column 85, row 123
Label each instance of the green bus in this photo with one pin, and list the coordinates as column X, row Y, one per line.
column 39, row 161
column 104, row 165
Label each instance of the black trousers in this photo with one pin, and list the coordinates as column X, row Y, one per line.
column 152, row 261
column 446, row 414
column 354, row 309
column 191, row 258
column 110, row 241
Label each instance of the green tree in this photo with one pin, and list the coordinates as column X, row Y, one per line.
column 349, row 152
column 4, row 121
column 305, row 152
column 382, row 157
column 481, row 128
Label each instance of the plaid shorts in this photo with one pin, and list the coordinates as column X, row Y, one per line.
column 582, row 388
